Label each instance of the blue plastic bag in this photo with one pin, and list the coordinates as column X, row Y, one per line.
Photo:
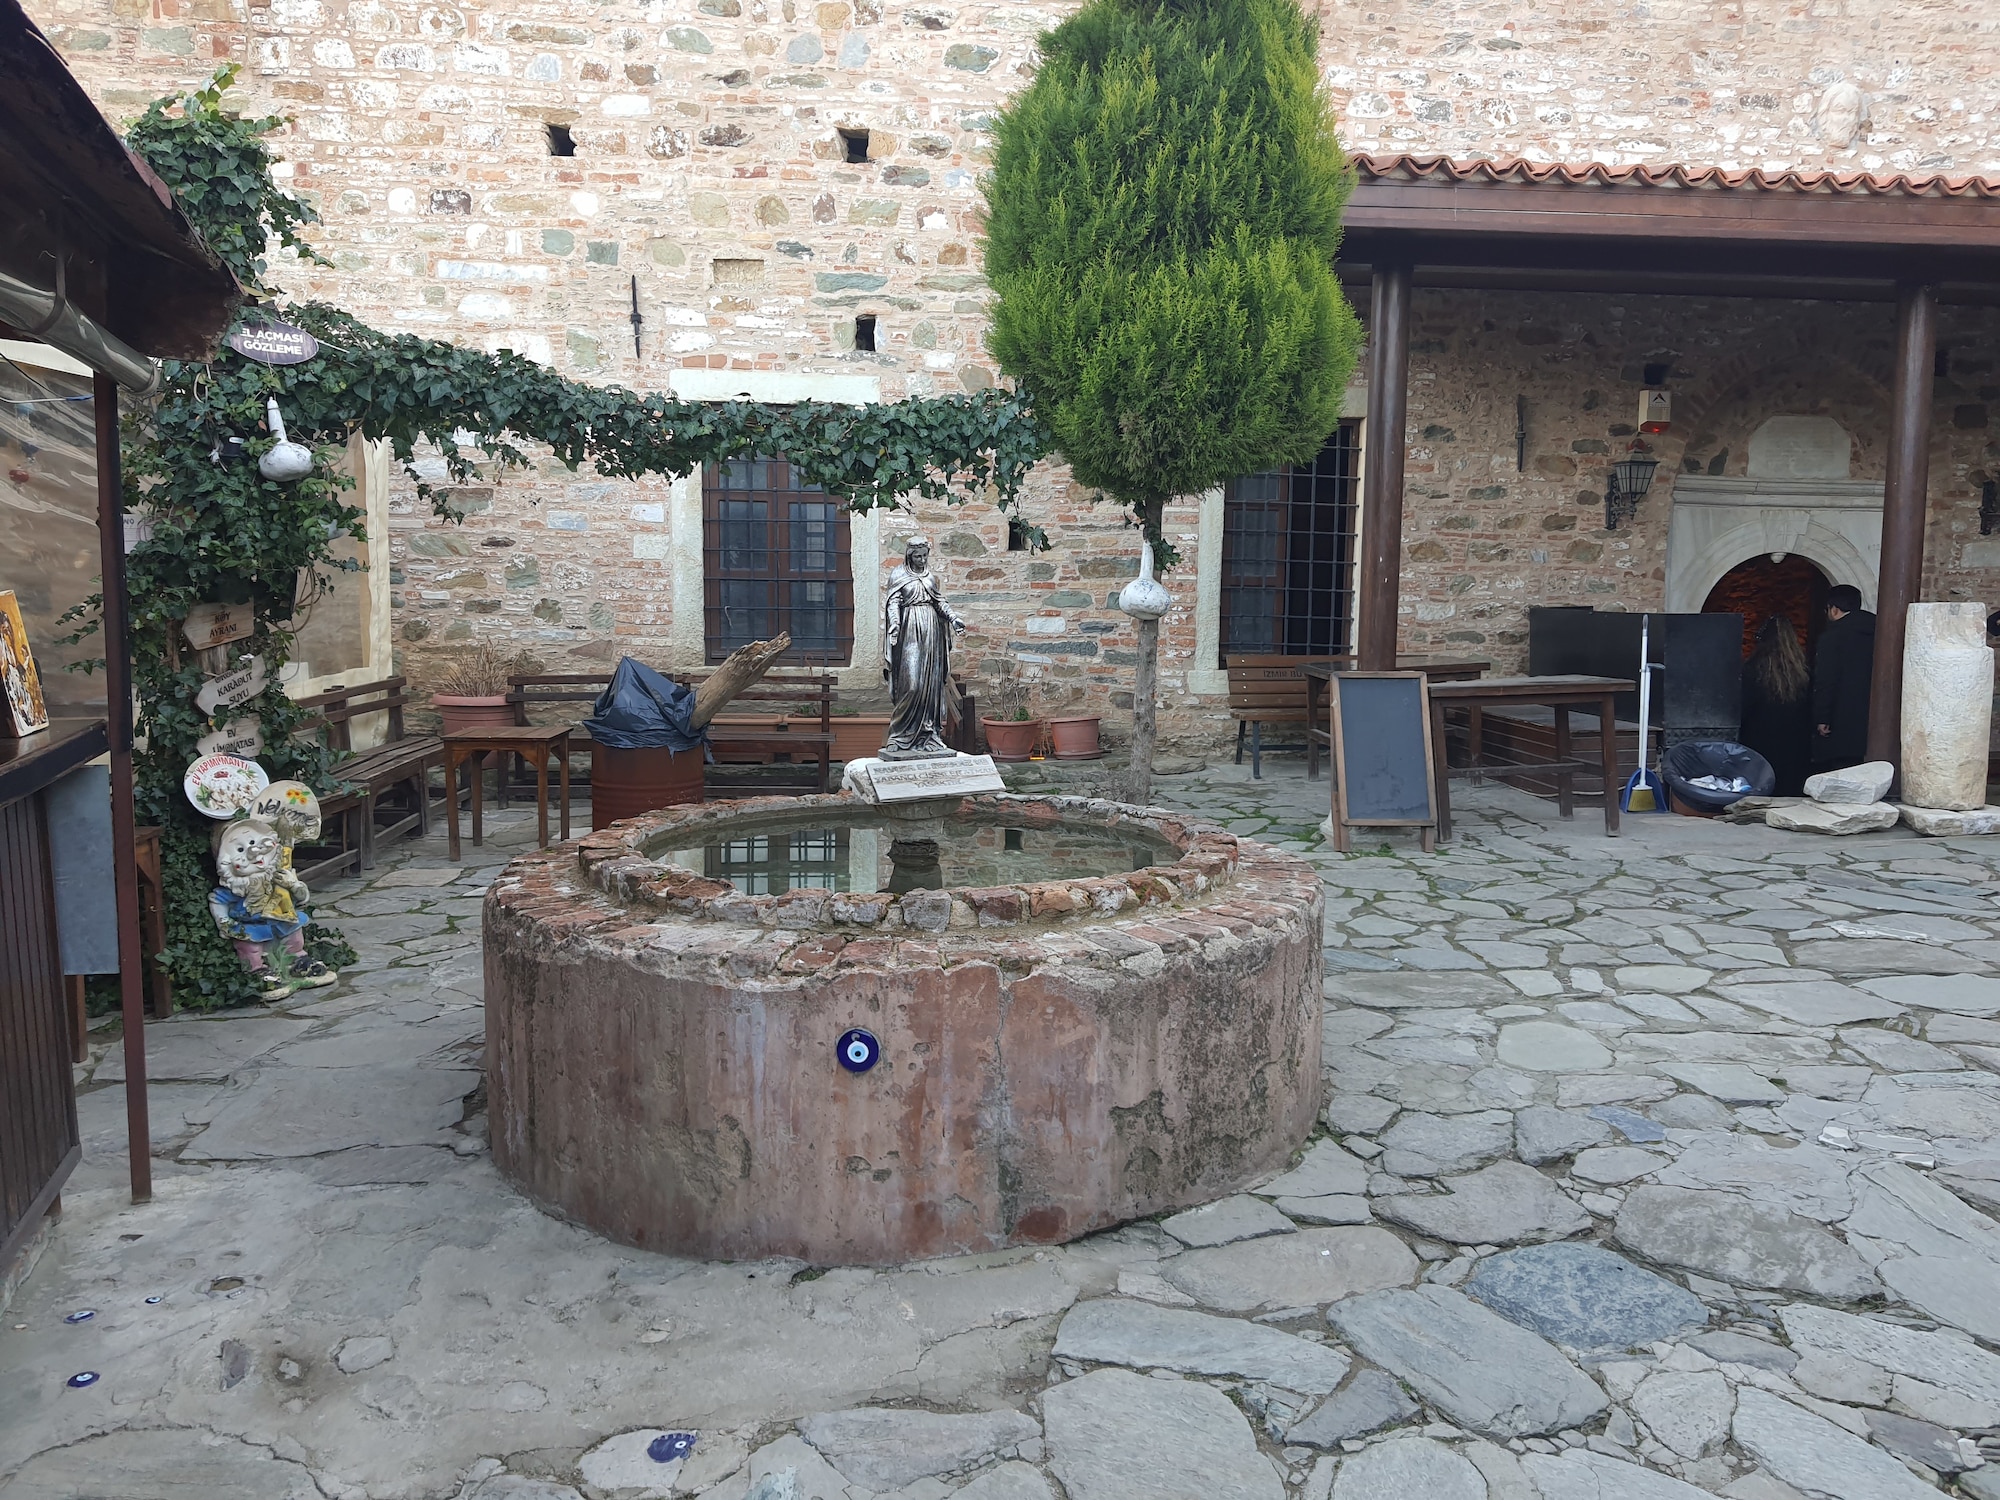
column 641, row 710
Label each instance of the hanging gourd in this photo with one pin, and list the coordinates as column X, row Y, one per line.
column 287, row 461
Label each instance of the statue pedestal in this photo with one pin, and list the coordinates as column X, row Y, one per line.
column 957, row 775
column 1947, row 706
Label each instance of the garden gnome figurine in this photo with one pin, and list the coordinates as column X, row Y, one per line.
column 917, row 629
column 259, row 904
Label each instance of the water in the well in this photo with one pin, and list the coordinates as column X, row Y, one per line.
column 910, row 854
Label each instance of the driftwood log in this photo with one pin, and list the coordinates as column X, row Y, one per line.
column 744, row 667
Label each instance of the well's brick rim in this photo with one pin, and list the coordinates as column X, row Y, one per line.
column 573, row 901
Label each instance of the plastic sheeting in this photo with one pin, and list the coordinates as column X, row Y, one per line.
column 641, row 710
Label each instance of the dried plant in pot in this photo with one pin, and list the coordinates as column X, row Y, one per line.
column 473, row 694
column 1011, row 729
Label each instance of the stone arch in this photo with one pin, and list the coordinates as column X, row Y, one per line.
column 1737, row 390
column 1784, row 532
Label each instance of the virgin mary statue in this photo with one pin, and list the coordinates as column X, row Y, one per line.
column 917, row 627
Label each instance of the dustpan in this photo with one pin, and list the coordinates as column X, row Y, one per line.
column 1644, row 792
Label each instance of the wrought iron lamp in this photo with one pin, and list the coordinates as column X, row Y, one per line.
column 1629, row 480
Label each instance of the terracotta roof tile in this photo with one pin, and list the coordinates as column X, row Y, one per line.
column 1513, row 169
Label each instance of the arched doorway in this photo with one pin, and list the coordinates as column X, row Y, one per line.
column 1759, row 587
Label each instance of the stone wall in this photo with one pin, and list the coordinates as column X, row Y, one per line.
column 709, row 165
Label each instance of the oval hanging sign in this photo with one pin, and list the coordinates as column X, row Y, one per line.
column 274, row 343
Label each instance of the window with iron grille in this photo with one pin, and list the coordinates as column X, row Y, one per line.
column 771, row 864
column 775, row 557
column 1288, row 548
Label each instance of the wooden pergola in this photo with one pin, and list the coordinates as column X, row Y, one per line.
column 1916, row 241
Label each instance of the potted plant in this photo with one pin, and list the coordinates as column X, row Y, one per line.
column 1012, row 731
column 473, row 694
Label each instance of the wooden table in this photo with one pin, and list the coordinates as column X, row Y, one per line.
column 1318, row 733
column 1593, row 694
column 534, row 743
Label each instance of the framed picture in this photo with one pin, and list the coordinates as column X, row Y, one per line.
column 22, row 711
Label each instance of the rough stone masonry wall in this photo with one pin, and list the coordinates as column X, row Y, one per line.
column 708, row 166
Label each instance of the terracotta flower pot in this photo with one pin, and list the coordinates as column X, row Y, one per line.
column 1076, row 738
column 1011, row 739
column 859, row 736
column 461, row 714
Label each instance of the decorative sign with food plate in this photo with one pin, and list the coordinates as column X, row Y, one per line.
column 223, row 785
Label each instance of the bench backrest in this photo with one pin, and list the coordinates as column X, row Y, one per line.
column 1269, row 685
column 340, row 706
column 809, row 695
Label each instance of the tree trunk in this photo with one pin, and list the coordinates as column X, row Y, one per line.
column 1146, row 679
column 1145, row 713
column 745, row 666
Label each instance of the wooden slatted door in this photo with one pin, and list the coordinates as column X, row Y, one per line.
column 39, row 1143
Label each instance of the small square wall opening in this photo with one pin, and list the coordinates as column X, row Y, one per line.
column 854, row 144
column 1017, row 534
column 560, row 143
column 864, row 334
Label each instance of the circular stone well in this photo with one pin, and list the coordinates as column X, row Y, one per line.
column 669, row 1059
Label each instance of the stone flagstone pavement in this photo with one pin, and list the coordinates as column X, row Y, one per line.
column 1651, row 1168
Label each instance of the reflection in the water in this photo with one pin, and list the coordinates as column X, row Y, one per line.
column 913, row 855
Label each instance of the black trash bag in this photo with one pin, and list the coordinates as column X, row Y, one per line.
column 1682, row 764
column 641, row 710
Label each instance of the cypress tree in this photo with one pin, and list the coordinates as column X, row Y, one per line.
column 1162, row 217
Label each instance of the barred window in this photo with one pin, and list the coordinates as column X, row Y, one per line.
column 1288, row 549
column 775, row 557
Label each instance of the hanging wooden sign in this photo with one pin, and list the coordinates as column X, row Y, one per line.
column 209, row 625
column 274, row 343
column 243, row 738
column 233, row 687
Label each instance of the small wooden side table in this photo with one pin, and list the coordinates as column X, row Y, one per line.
column 534, row 743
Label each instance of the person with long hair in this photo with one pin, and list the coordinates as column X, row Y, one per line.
column 1777, row 704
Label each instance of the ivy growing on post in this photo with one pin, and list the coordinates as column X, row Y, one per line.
column 223, row 533
column 1162, row 218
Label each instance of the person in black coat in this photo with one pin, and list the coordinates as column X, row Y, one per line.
column 1777, row 705
column 1843, row 669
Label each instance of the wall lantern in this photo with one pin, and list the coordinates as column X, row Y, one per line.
column 1630, row 478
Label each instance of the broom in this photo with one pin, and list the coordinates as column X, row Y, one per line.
column 1643, row 791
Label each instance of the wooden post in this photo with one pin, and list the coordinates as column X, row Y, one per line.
column 1905, row 508
column 1382, row 477
column 124, row 823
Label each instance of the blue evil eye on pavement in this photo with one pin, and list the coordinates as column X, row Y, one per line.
column 154, row 1301
column 84, row 1378
column 669, row 1446
column 81, row 1315
column 858, row 1050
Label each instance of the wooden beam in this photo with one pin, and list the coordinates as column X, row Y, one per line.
column 124, row 822
column 1385, row 444
column 1905, row 507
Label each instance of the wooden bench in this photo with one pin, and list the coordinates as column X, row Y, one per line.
column 809, row 697
column 1267, row 690
column 398, row 768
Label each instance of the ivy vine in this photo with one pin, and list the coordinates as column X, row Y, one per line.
column 223, row 533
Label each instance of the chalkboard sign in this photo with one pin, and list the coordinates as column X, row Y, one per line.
column 1382, row 766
